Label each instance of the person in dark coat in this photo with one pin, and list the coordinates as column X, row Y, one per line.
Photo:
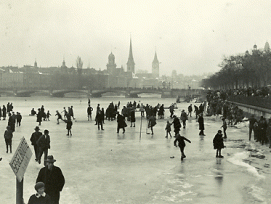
column 184, row 118
column 43, row 145
column 177, row 125
column 19, row 119
column 0, row 113
column 132, row 114
column 121, row 122
column 218, row 143
column 12, row 121
column 40, row 197
column 59, row 116
column 34, row 138
column 152, row 123
column 99, row 120
column 181, row 143
column 4, row 109
column 53, row 179
column 8, row 135
column 39, row 116
column 201, row 124
column 190, row 109
column 69, row 127
column 224, row 126
column 268, row 132
column 89, row 112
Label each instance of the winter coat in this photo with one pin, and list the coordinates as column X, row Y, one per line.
column 43, row 142
column 218, row 141
column 180, row 139
column 8, row 134
column 201, row 123
column 40, row 200
column 34, row 137
column 53, row 179
column 121, row 121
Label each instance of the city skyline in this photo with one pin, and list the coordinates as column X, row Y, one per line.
column 190, row 37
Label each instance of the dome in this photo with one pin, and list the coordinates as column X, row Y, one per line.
column 111, row 56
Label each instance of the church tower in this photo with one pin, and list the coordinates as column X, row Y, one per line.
column 131, row 63
column 111, row 66
column 155, row 67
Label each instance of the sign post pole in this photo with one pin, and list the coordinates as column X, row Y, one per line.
column 19, row 191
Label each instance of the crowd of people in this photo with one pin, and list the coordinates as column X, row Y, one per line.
column 50, row 179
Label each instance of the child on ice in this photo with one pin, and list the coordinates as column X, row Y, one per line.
column 168, row 129
column 180, row 139
column 218, row 143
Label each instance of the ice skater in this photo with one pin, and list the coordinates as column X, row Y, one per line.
column 8, row 135
column 218, row 143
column 19, row 119
column 181, row 143
column 59, row 117
column 69, row 127
column 224, row 126
column 48, row 114
column 168, row 129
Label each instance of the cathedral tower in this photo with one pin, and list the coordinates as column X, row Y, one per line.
column 155, row 67
column 131, row 63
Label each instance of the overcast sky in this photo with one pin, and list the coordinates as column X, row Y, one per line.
column 189, row 36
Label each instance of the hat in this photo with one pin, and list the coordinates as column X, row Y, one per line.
column 39, row 185
column 219, row 131
column 50, row 158
column 37, row 128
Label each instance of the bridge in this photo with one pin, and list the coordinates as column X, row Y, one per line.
column 95, row 93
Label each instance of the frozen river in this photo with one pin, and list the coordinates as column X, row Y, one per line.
column 106, row 167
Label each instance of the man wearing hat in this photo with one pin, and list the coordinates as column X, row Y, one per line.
column 53, row 179
column 34, row 138
column 40, row 197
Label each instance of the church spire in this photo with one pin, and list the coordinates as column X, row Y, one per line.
column 131, row 63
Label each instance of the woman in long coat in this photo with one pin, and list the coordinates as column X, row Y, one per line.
column 121, row 122
column 132, row 114
column 201, row 124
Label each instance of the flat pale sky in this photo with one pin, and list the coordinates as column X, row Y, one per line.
column 189, row 36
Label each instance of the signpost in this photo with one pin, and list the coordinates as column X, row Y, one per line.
column 18, row 164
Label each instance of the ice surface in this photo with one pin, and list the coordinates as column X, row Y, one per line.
column 106, row 167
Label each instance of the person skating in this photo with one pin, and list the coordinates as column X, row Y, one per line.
column 4, row 110
column 48, row 114
column 43, row 145
column 8, row 135
column 201, row 124
column 184, row 118
column 168, row 129
column 190, row 109
column 121, row 122
column 53, row 179
column 39, row 116
column 40, row 197
column 133, row 119
column 176, row 124
column 224, row 126
column 89, row 112
column 152, row 123
column 19, row 119
column 69, row 127
column 181, row 143
column 218, row 143
column 34, row 138
column 99, row 120
column 59, row 117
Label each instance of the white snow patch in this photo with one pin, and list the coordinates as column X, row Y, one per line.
column 238, row 158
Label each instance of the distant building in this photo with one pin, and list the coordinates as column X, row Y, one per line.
column 155, row 67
